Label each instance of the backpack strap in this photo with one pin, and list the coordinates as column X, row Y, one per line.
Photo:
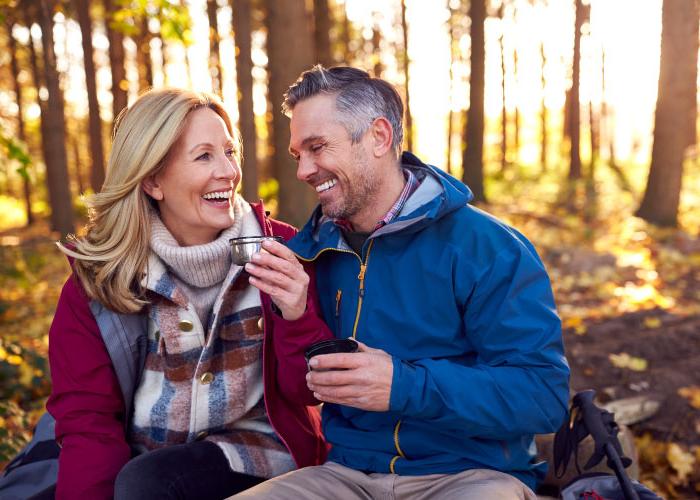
column 126, row 339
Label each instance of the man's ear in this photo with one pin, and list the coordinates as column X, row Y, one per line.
column 382, row 136
column 152, row 188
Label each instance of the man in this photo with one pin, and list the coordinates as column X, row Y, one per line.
column 461, row 359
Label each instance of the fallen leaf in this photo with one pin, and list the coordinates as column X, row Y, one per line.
column 681, row 461
column 624, row 360
column 692, row 394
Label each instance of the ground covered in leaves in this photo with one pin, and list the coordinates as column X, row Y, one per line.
column 628, row 295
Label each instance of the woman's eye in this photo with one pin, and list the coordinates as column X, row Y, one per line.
column 203, row 156
column 230, row 153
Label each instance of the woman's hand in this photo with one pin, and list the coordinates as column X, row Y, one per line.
column 278, row 273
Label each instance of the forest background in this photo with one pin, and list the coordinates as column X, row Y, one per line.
column 575, row 121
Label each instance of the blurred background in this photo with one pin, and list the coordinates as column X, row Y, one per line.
column 575, row 121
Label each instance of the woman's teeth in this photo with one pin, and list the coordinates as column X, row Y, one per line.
column 218, row 195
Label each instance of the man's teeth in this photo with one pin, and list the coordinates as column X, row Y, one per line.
column 218, row 195
column 326, row 185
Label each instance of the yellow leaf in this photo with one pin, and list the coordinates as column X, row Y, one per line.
column 3, row 354
column 624, row 360
column 652, row 322
column 26, row 374
column 692, row 394
column 573, row 322
column 580, row 330
column 13, row 359
column 681, row 461
column 3, row 424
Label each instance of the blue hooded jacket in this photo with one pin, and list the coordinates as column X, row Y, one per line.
column 464, row 306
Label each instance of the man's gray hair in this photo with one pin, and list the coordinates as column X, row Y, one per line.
column 360, row 99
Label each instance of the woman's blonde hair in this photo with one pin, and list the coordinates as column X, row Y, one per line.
column 111, row 259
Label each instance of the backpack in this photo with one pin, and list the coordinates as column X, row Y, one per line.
column 586, row 418
column 34, row 470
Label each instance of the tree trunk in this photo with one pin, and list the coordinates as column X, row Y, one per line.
column 143, row 55
column 378, row 69
column 217, row 75
column 473, row 164
column 406, row 63
column 322, row 28
column 242, row 35
column 14, row 68
column 288, row 20
column 97, row 169
column 56, row 162
column 516, row 122
column 674, row 106
column 450, row 114
column 543, row 111
column 504, row 95
column 116, row 62
column 347, row 27
column 574, row 110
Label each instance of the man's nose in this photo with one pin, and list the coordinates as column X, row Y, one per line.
column 305, row 168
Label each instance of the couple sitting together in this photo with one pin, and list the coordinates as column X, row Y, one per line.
column 179, row 374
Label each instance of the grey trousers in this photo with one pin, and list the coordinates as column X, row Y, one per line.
column 337, row 482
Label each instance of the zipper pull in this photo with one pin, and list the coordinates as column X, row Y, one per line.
column 338, row 296
column 361, row 276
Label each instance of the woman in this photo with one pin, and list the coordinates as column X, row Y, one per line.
column 216, row 400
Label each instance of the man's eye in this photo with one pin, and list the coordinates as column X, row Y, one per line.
column 203, row 156
column 316, row 148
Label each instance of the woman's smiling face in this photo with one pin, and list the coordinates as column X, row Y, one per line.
column 195, row 188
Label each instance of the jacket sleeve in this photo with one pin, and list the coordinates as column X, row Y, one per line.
column 86, row 401
column 291, row 338
column 518, row 381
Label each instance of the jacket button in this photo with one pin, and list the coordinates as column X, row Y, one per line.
column 185, row 325
column 206, row 377
column 261, row 323
column 200, row 435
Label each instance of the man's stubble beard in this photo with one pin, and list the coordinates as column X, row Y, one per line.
column 358, row 195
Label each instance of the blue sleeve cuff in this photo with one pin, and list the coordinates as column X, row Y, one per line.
column 403, row 380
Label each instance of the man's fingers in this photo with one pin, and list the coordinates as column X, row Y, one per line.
column 337, row 361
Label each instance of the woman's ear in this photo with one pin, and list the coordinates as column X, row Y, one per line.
column 382, row 136
column 152, row 188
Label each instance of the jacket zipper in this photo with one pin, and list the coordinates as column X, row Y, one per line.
column 398, row 448
column 361, row 277
column 338, row 324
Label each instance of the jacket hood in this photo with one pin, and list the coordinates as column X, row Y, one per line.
column 437, row 195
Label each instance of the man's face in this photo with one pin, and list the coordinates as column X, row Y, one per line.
column 342, row 173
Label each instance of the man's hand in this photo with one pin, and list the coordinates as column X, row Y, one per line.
column 361, row 379
column 278, row 273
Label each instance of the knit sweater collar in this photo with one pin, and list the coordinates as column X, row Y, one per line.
column 198, row 265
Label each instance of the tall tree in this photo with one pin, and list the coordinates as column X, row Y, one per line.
column 574, row 104
column 322, row 29
column 675, row 110
column 406, row 63
column 97, row 169
column 56, row 158
column 14, row 68
column 217, row 75
column 504, row 94
column 454, row 47
column 543, row 109
column 288, row 20
column 242, row 34
column 472, row 159
column 116, row 60
column 377, row 67
column 144, row 63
